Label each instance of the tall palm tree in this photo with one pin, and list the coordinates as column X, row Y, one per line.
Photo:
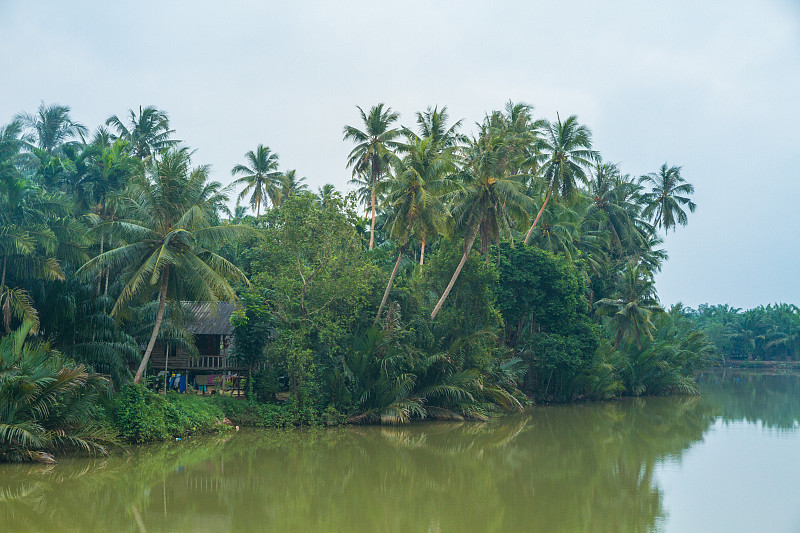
column 372, row 154
column 567, row 154
column 261, row 179
column 50, row 127
column 147, row 133
column 414, row 201
column 166, row 239
column 631, row 307
column 669, row 192
column 489, row 200
column 109, row 175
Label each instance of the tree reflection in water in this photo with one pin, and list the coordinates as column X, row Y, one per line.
column 562, row 468
column 768, row 398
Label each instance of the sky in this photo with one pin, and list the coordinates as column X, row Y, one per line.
column 711, row 86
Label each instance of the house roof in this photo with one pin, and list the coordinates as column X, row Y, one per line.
column 210, row 318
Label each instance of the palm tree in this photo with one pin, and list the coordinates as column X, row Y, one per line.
column 669, row 192
column 108, row 176
column 372, row 154
column 166, row 239
column 649, row 255
column 559, row 231
column 102, row 138
column 615, row 206
column 522, row 133
column 631, row 307
column 749, row 332
column 11, row 145
column 27, row 244
column 489, row 200
column 238, row 214
column 48, row 402
column 51, row 127
column 324, row 194
column 147, row 134
column 261, row 179
column 567, row 153
column 414, row 200
column 432, row 123
column 292, row 185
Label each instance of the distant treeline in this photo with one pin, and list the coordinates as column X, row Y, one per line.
column 764, row 333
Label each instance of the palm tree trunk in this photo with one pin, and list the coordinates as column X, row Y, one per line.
column 6, row 303
column 619, row 340
column 467, row 248
column 372, row 224
column 100, row 277
column 530, row 231
column 388, row 287
column 162, row 302
column 422, row 253
column 258, row 207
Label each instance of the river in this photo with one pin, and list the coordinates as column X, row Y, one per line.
column 726, row 461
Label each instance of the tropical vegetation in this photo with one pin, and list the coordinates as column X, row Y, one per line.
column 763, row 333
column 485, row 272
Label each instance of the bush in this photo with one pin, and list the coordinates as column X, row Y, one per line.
column 266, row 415
column 143, row 416
column 48, row 404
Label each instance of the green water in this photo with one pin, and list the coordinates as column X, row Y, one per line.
column 727, row 461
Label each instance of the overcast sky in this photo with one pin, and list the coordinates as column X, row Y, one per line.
column 711, row 86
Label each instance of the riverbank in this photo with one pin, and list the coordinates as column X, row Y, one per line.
column 762, row 365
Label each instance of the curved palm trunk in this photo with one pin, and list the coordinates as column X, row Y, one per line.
column 162, row 302
column 388, row 287
column 619, row 340
column 467, row 248
column 536, row 220
column 422, row 253
column 372, row 224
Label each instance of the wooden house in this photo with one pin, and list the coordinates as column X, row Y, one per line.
column 213, row 336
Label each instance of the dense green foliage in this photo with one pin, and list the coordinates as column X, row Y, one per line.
column 512, row 261
column 48, row 404
column 270, row 415
column 143, row 416
column 770, row 333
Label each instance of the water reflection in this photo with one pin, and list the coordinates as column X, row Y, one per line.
column 770, row 399
column 570, row 468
